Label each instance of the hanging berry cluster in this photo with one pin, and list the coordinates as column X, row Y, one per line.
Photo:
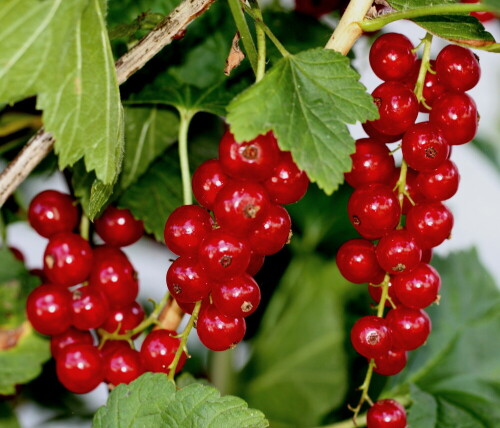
column 89, row 290
column 401, row 208
column 245, row 189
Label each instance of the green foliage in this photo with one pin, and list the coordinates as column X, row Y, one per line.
column 8, row 418
column 307, row 99
column 125, row 11
column 152, row 400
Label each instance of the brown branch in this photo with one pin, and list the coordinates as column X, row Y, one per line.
column 171, row 316
column 40, row 145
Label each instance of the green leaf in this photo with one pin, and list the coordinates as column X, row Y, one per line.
column 153, row 401
column 125, row 11
column 490, row 149
column 22, row 363
column 493, row 4
column 298, row 369
column 307, row 99
column 8, row 418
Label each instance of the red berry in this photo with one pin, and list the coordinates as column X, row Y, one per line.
column 287, row 184
column 426, row 255
column 371, row 336
column 398, row 252
column 111, row 346
column 158, row 351
column 49, row 309
column 457, row 68
column 482, row 16
column 410, row 328
column 419, row 288
column 89, row 308
column 79, row 368
column 123, row 319
column 219, row 332
column 51, row 212
column 272, row 233
column 255, row 264
column 439, row 184
column 18, row 254
column 250, row 160
column 378, row 136
column 455, row 113
column 188, row 308
column 67, row 259
column 391, row 363
column 70, row 336
column 386, row 414
column 371, row 163
column 432, row 87
column 430, row 223
column 185, row 229
column 186, row 281
column 357, row 262
column 392, row 56
column 236, row 297
column 208, row 179
column 411, row 189
column 117, row 227
column 376, row 294
column 122, row 366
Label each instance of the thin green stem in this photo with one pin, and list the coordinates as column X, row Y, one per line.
column 401, row 184
column 185, row 116
column 261, row 42
column 85, row 227
column 184, row 337
column 445, row 9
column 349, row 423
column 244, row 31
column 424, row 68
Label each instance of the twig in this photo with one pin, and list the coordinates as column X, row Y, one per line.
column 170, row 317
column 40, row 145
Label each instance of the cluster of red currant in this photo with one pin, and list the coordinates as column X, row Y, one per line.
column 85, row 289
column 245, row 189
column 402, row 208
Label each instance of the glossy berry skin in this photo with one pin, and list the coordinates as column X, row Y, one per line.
column 287, row 184
column 357, row 262
column 48, row 309
column 185, row 228
column 51, row 212
column 68, row 337
column 240, row 205
column 67, row 259
column 371, row 163
column 482, row 16
column 122, row 366
column 272, row 233
column 386, row 414
column 376, row 294
column 419, row 288
column 430, row 223
column 223, row 256
column 424, row 147
column 371, row 336
column 250, row 160
column 113, row 274
column 126, row 318
column 410, row 328
column 158, row 351
column 255, row 264
column 397, row 106
column 219, row 332
column 89, row 308
column 378, row 136
column 391, row 56
column 118, row 227
column 374, row 210
column 111, row 346
column 457, row 68
column 207, row 180
column 186, row 280
column 236, row 297
column 398, row 252
column 391, row 363
column 455, row 113
column 439, row 184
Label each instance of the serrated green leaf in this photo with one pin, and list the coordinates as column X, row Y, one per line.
column 8, row 418
column 423, row 412
column 152, row 401
column 307, row 99
column 298, row 369
column 22, row 363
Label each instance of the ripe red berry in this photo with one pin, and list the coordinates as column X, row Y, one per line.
column 378, row 136
column 391, row 363
column 371, row 336
column 419, row 288
column 118, row 227
column 79, row 368
column 186, row 280
column 89, row 308
column 272, row 233
column 482, row 16
column 158, row 351
column 386, row 414
column 67, row 259
column 51, row 212
column 48, row 309
column 457, row 68
column 236, row 297
column 439, row 184
column 207, row 180
column 410, row 328
column 111, row 346
column 217, row 331
column 430, row 223
column 398, row 252
column 357, row 262
column 123, row 319
column 122, row 366
column 392, row 56
column 287, row 184
column 185, row 228
column 255, row 264
column 70, row 336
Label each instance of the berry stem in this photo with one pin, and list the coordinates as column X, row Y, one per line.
column 85, row 227
column 444, row 9
column 184, row 338
column 261, row 41
column 185, row 116
column 401, row 186
column 424, row 68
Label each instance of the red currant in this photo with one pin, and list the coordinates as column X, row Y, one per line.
column 398, row 252
column 371, row 336
column 392, row 56
column 89, row 308
column 391, row 363
column 376, row 294
column 236, row 297
column 123, row 319
column 357, row 262
column 117, row 227
column 410, row 328
column 158, row 351
column 457, row 68
column 255, row 264
column 482, row 16
column 411, row 189
column 432, row 87
column 122, row 366
column 272, row 233
column 186, row 281
column 439, row 184
column 430, row 223
column 70, row 336
column 378, row 136
column 386, row 414
column 208, row 179
column 419, row 288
